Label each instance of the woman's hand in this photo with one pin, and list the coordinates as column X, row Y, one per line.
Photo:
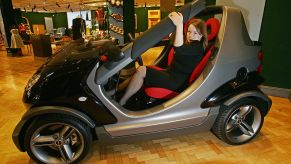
column 177, row 18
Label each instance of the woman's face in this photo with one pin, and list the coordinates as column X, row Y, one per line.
column 193, row 34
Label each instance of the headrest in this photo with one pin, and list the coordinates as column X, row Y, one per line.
column 212, row 24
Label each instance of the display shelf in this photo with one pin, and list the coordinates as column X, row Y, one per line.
column 116, row 22
column 116, row 29
column 154, row 16
column 117, row 17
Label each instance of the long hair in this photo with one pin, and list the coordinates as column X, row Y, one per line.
column 201, row 27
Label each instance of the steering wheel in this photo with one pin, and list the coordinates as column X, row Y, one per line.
column 138, row 59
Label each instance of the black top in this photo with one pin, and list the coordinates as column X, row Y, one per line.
column 186, row 58
column 175, row 78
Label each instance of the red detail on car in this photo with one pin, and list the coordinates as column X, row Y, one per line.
column 103, row 58
column 260, row 57
column 156, row 67
column 171, row 56
column 214, row 25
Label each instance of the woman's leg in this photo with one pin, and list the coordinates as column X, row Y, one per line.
column 120, row 87
column 135, row 84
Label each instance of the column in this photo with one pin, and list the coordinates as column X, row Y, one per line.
column 187, row 1
column 167, row 6
column 128, row 19
column 7, row 21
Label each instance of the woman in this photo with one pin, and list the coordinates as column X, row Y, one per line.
column 187, row 56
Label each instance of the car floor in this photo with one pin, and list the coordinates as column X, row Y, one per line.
column 272, row 145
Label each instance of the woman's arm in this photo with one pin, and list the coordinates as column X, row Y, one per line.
column 177, row 19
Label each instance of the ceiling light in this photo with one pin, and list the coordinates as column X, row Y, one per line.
column 117, row 3
column 94, row 4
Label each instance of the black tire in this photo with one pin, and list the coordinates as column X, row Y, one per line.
column 240, row 122
column 44, row 139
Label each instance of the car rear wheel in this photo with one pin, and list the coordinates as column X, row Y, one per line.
column 58, row 139
column 239, row 123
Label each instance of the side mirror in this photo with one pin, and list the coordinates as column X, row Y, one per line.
column 114, row 53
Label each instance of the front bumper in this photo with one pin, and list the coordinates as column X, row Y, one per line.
column 18, row 135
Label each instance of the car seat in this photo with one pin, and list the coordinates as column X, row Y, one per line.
column 163, row 93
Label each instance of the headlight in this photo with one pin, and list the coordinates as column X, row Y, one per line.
column 31, row 83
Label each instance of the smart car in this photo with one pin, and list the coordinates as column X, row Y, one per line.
column 69, row 105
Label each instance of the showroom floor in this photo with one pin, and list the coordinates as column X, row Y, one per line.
column 272, row 145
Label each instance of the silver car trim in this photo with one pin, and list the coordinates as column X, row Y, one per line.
column 105, row 138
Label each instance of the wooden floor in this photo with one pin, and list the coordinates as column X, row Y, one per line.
column 272, row 145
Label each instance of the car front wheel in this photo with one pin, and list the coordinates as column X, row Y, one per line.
column 239, row 123
column 58, row 139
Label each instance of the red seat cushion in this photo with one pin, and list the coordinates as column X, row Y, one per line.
column 160, row 93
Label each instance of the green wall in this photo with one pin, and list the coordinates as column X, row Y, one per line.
column 276, row 39
column 59, row 19
column 142, row 17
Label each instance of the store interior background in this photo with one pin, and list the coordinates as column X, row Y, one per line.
column 273, row 33
column 270, row 146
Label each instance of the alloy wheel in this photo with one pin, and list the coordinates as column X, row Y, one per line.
column 243, row 123
column 57, row 143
